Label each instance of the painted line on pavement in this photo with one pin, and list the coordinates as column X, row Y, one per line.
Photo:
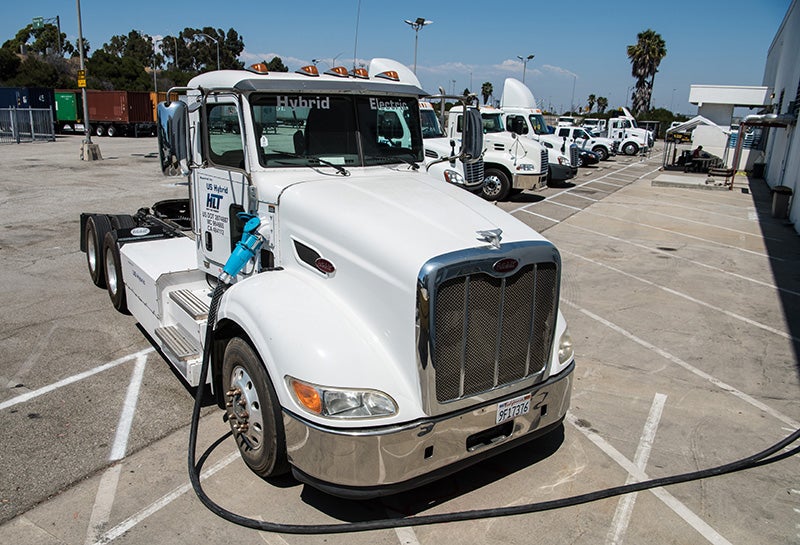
column 624, row 511
column 703, row 528
column 691, row 299
column 692, row 369
column 71, row 380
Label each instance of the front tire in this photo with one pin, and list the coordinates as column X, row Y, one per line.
column 496, row 185
column 601, row 151
column 254, row 412
column 630, row 148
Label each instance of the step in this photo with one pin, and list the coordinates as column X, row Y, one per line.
column 179, row 343
column 191, row 303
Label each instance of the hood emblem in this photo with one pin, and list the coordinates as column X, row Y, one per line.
column 492, row 236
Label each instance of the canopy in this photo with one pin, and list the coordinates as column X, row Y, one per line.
column 695, row 121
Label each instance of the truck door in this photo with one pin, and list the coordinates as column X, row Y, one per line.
column 221, row 186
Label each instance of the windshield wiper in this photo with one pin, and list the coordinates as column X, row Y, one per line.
column 388, row 160
column 340, row 169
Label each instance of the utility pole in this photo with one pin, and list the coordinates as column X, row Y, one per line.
column 89, row 151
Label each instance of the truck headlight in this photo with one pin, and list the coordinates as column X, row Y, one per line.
column 341, row 402
column 563, row 160
column 453, row 177
column 526, row 167
column 565, row 348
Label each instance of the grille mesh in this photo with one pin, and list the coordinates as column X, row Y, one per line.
column 490, row 332
column 474, row 171
column 544, row 158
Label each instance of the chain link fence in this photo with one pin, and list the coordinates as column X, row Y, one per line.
column 19, row 125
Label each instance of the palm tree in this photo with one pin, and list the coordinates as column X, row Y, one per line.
column 486, row 91
column 645, row 56
column 591, row 100
column 602, row 104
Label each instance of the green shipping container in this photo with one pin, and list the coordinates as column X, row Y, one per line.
column 66, row 106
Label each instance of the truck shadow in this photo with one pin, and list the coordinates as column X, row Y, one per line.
column 441, row 491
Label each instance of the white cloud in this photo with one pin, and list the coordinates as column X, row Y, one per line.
column 559, row 71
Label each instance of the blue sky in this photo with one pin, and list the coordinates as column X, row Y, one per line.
column 578, row 45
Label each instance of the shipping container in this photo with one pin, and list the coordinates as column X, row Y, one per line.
column 121, row 112
column 69, row 110
column 155, row 98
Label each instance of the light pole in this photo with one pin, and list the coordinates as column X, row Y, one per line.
column 524, row 64
column 89, row 151
column 416, row 25
column 572, row 101
column 155, row 83
column 671, row 100
column 628, row 94
column 215, row 41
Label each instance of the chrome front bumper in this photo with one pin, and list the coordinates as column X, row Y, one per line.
column 362, row 463
column 529, row 181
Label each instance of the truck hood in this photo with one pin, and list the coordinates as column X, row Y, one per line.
column 391, row 219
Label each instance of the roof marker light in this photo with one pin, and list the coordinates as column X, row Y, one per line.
column 309, row 70
column 259, row 68
column 389, row 74
column 360, row 73
column 339, row 71
column 324, row 266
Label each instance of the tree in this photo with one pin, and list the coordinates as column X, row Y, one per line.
column 276, row 65
column 33, row 72
column 44, row 41
column 198, row 53
column 486, row 91
column 591, row 100
column 107, row 71
column 602, row 104
column 645, row 57
column 137, row 46
column 9, row 65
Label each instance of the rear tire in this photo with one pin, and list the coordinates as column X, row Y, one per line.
column 112, row 131
column 113, row 271
column 97, row 227
column 99, row 130
column 255, row 412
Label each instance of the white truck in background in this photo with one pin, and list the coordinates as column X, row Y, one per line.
column 346, row 300
column 510, row 164
column 603, row 147
column 631, row 138
column 441, row 153
column 522, row 117
column 594, row 126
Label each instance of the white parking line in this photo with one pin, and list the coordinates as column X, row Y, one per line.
column 744, row 250
column 162, row 502
column 128, row 411
column 713, row 225
column 676, row 256
column 692, row 369
column 104, row 500
column 711, row 535
column 622, row 516
column 682, row 295
column 71, row 380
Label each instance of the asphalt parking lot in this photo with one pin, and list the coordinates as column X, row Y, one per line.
column 684, row 305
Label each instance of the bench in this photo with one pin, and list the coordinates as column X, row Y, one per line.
column 720, row 171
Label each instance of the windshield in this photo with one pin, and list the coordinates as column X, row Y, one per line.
column 582, row 134
column 492, row 123
column 538, row 123
column 430, row 124
column 313, row 129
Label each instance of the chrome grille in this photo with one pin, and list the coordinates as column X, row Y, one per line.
column 473, row 172
column 545, row 163
column 573, row 156
column 487, row 332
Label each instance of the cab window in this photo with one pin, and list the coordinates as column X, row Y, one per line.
column 224, row 135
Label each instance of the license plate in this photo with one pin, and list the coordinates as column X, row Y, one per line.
column 512, row 408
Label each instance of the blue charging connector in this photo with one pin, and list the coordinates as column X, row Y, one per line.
column 245, row 249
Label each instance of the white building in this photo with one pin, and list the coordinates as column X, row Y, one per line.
column 782, row 73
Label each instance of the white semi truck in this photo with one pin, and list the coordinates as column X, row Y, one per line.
column 631, row 138
column 369, row 327
column 521, row 116
column 509, row 163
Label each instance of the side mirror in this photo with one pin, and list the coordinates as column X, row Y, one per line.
column 173, row 138
column 472, row 136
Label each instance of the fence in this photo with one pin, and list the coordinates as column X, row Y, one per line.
column 26, row 125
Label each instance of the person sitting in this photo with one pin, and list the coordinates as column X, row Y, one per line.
column 699, row 153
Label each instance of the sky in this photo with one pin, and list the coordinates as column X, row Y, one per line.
column 579, row 47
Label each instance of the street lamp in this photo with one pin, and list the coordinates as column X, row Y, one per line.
column 416, row 25
column 215, row 41
column 524, row 64
column 155, row 84
column 572, row 102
